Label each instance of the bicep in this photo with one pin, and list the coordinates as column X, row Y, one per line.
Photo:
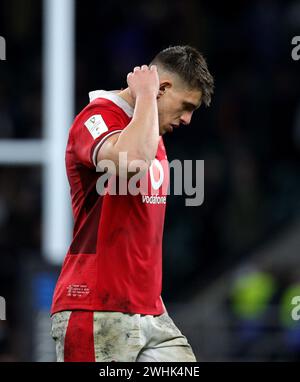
column 112, row 160
column 107, row 150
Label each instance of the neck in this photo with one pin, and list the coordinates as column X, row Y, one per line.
column 125, row 94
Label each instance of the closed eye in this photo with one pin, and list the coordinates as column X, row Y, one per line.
column 188, row 106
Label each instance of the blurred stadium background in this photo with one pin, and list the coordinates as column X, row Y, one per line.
column 232, row 265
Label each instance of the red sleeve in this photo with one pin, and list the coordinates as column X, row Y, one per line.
column 91, row 130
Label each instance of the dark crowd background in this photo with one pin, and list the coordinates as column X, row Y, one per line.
column 231, row 265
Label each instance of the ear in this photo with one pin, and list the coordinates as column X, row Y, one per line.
column 163, row 87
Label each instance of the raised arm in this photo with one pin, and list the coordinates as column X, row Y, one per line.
column 139, row 140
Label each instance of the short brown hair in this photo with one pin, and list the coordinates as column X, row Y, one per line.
column 190, row 65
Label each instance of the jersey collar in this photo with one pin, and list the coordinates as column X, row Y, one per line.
column 113, row 97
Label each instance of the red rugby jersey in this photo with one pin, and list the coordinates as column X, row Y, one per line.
column 114, row 262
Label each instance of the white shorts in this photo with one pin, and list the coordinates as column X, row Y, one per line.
column 83, row 336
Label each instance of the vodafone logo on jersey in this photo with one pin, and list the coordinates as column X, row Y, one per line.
column 156, row 174
column 157, row 192
column 158, row 183
column 158, row 177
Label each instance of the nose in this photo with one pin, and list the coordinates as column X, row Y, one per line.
column 185, row 119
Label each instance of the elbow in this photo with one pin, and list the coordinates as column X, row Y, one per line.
column 137, row 165
column 134, row 163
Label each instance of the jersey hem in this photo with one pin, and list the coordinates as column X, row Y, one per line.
column 134, row 310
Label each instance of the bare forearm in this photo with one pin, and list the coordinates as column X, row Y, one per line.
column 140, row 138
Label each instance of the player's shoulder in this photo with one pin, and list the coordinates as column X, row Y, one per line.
column 99, row 108
column 99, row 105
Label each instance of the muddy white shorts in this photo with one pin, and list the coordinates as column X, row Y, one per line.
column 83, row 336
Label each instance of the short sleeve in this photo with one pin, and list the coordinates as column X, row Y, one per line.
column 90, row 132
